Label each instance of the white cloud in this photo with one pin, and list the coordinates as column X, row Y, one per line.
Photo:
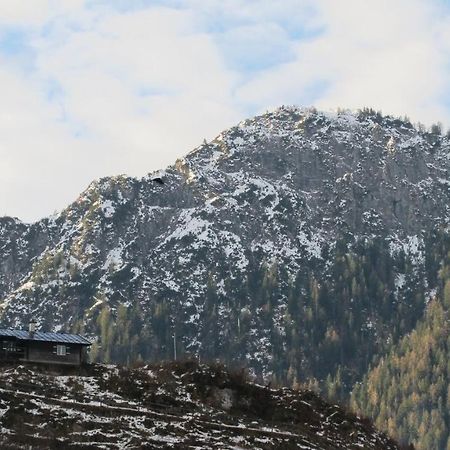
column 36, row 155
column 36, row 12
column 24, row 12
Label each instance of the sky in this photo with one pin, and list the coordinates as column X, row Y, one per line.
column 92, row 88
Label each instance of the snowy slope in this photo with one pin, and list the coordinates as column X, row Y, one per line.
column 169, row 406
column 278, row 189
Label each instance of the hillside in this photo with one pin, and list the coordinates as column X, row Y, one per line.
column 408, row 391
column 300, row 244
column 176, row 405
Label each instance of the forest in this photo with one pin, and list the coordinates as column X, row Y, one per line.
column 368, row 334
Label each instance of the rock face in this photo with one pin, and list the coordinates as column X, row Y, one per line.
column 169, row 406
column 265, row 203
column 20, row 244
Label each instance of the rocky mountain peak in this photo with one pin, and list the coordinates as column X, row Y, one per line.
column 270, row 200
column 299, row 244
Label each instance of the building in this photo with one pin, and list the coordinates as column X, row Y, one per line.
column 39, row 347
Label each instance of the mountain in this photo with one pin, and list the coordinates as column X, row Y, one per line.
column 169, row 406
column 300, row 244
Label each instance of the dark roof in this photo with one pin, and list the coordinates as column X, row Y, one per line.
column 47, row 337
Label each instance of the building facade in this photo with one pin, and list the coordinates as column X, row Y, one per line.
column 39, row 347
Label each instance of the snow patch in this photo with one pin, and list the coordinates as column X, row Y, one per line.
column 114, row 259
column 108, row 208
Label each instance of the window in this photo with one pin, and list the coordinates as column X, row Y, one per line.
column 61, row 350
column 12, row 347
column 9, row 346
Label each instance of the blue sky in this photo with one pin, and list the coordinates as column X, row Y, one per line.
column 93, row 88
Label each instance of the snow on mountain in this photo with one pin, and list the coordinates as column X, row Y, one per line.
column 278, row 189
